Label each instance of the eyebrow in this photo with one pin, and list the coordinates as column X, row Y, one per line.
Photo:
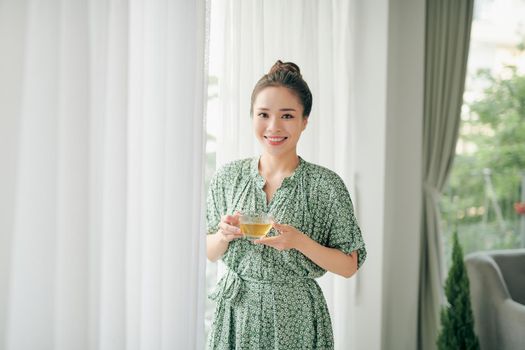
column 282, row 109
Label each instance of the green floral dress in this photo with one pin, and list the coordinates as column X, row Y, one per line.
column 269, row 299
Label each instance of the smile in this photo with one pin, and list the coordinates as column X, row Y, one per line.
column 275, row 140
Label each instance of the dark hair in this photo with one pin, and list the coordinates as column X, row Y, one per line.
column 287, row 75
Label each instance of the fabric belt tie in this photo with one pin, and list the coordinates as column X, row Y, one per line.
column 231, row 283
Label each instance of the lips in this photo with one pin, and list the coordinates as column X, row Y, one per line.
column 275, row 140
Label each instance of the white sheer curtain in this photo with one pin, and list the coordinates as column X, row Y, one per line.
column 317, row 35
column 101, row 144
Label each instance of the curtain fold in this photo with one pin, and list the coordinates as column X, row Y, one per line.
column 448, row 24
column 101, row 188
column 318, row 36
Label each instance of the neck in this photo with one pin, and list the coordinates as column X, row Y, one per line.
column 283, row 165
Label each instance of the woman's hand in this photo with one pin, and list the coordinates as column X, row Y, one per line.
column 289, row 237
column 217, row 243
column 331, row 259
column 229, row 228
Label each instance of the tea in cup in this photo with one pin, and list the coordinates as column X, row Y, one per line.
column 255, row 225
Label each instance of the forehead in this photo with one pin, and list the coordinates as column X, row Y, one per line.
column 277, row 97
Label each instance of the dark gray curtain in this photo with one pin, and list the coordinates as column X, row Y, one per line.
column 448, row 24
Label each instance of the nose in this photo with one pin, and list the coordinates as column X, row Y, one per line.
column 274, row 123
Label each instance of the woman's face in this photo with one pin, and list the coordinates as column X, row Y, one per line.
column 278, row 120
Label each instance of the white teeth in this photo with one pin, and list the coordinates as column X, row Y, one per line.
column 276, row 139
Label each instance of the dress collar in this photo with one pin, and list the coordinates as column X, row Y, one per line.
column 259, row 180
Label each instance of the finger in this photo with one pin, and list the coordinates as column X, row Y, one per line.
column 278, row 231
column 279, row 227
column 266, row 240
column 226, row 218
column 229, row 229
column 225, row 236
column 270, row 243
column 259, row 241
column 235, row 219
column 230, row 219
column 228, row 237
column 239, row 234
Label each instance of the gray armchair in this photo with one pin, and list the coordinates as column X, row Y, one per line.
column 497, row 288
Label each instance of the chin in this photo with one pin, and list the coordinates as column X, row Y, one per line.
column 275, row 152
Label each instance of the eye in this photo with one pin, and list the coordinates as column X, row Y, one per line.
column 287, row 116
column 262, row 115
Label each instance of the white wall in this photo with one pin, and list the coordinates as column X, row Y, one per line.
column 388, row 134
column 403, row 172
column 369, row 133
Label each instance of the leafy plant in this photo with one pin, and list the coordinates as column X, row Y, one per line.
column 457, row 332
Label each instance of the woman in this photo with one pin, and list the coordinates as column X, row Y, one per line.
column 268, row 298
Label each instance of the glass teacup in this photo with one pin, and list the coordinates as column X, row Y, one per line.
column 255, row 225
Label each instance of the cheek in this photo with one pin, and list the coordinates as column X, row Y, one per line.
column 297, row 130
column 257, row 127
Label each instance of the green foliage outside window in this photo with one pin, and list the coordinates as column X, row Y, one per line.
column 484, row 184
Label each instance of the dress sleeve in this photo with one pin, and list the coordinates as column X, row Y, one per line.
column 214, row 204
column 344, row 231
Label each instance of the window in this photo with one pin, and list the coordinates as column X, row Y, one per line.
column 488, row 175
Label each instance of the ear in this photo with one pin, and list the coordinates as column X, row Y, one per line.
column 305, row 122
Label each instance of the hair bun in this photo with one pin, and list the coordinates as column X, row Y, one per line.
column 286, row 75
column 281, row 66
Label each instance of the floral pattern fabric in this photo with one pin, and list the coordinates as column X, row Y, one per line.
column 269, row 299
